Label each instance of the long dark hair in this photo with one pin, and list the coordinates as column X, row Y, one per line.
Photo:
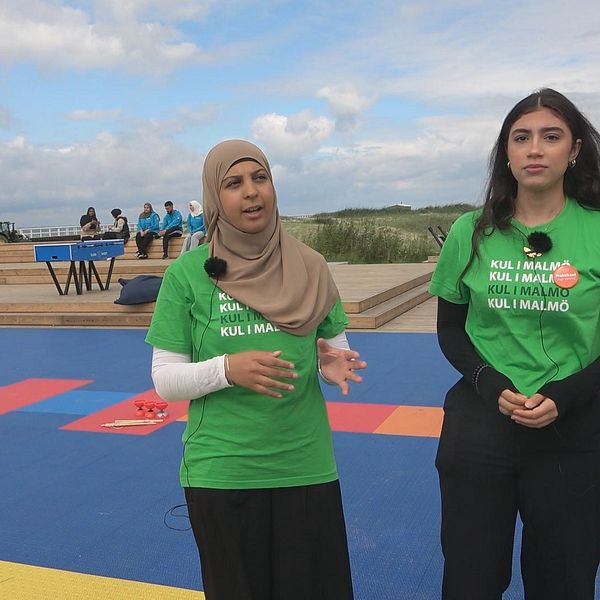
column 582, row 182
column 87, row 218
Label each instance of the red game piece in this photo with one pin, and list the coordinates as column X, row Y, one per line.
column 149, row 404
column 161, row 405
column 140, row 407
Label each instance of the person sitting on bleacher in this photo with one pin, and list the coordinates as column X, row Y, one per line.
column 196, row 231
column 120, row 229
column 90, row 226
column 148, row 228
column 172, row 226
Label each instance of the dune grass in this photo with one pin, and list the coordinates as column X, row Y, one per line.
column 363, row 235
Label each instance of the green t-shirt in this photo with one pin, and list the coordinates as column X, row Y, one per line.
column 519, row 320
column 236, row 438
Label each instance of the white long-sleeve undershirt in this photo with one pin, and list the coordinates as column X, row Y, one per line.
column 176, row 377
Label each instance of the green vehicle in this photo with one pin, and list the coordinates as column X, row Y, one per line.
column 8, row 233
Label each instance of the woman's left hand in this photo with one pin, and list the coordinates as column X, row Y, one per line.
column 538, row 412
column 338, row 365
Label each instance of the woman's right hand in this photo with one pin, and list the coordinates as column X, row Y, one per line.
column 260, row 372
column 509, row 401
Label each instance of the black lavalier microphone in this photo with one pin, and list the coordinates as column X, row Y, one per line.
column 215, row 266
column 538, row 243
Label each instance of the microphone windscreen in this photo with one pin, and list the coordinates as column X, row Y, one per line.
column 215, row 266
column 539, row 241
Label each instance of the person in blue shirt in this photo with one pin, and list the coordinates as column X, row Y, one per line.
column 148, row 229
column 196, row 230
column 172, row 226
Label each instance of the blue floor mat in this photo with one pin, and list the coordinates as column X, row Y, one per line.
column 96, row 503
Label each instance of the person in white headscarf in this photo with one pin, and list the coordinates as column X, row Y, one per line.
column 196, row 230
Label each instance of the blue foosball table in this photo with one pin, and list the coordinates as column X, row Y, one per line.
column 78, row 254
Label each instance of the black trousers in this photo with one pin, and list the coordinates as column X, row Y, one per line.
column 170, row 233
column 114, row 235
column 144, row 241
column 490, row 469
column 271, row 544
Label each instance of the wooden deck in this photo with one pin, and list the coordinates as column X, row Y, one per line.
column 388, row 297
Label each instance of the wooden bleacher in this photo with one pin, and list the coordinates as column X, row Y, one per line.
column 388, row 297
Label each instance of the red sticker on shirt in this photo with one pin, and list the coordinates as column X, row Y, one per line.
column 565, row 276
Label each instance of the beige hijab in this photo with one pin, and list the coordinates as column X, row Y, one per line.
column 270, row 271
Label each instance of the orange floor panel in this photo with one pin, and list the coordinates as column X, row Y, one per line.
column 387, row 419
column 424, row 421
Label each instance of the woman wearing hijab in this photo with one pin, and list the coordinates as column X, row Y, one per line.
column 196, row 231
column 244, row 338
column 119, row 230
column 90, row 226
column 148, row 228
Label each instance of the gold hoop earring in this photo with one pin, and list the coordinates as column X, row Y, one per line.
column 572, row 163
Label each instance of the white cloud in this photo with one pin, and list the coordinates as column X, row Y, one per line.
column 17, row 142
column 290, row 138
column 183, row 119
column 459, row 52
column 5, row 118
column 461, row 63
column 165, row 10
column 54, row 185
column 93, row 114
column 445, row 163
column 57, row 36
column 346, row 104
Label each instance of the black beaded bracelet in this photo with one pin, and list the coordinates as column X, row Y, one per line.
column 476, row 374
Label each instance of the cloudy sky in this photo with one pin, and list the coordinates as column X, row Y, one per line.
column 116, row 102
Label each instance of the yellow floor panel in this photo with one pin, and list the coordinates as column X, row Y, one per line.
column 25, row 582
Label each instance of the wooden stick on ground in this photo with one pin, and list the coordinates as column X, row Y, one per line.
column 132, row 422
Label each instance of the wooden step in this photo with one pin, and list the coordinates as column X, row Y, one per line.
column 156, row 247
column 113, row 319
column 8, row 248
column 40, row 274
column 22, row 252
column 389, row 294
column 377, row 316
column 365, row 286
column 385, row 290
column 144, row 268
column 420, row 319
column 46, row 278
column 35, row 268
column 130, row 245
column 81, row 306
column 20, row 256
